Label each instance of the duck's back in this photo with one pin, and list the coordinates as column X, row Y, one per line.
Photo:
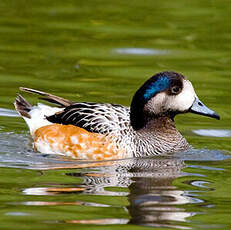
column 107, row 119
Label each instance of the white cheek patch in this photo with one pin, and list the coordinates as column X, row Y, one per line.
column 162, row 102
column 183, row 101
column 157, row 104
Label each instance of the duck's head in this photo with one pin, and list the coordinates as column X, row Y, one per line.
column 165, row 94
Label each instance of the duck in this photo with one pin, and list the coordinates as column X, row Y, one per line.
column 104, row 131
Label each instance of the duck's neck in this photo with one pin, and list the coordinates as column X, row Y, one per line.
column 161, row 135
column 162, row 124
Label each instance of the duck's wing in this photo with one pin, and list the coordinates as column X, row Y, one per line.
column 94, row 117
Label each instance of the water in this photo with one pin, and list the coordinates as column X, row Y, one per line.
column 103, row 51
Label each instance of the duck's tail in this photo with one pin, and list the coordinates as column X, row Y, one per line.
column 22, row 106
column 35, row 116
column 49, row 97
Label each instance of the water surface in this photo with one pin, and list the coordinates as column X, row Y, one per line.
column 103, row 51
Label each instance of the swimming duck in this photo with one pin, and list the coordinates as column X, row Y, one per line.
column 96, row 131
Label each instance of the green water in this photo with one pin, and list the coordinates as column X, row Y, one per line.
column 103, row 51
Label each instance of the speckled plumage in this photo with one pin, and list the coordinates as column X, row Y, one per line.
column 146, row 128
column 113, row 120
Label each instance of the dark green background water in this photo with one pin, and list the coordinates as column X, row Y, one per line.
column 103, row 51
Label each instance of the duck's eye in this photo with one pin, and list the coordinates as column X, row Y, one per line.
column 175, row 89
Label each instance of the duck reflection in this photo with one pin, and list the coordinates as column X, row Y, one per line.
column 153, row 199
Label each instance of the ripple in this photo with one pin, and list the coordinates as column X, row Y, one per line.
column 56, row 203
column 8, row 113
column 140, row 51
column 50, row 191
column 213, row 132
column 201, row 184
column 17, row 214
column 202, row 155
column 105, row 221
column 145, row 186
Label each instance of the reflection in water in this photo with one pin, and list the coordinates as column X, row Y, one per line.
column 213, row 132
column 8, row 113
column 53, row 203
column 153, row 202
column 140, row 51
column 99, row 221
column 148, row 184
